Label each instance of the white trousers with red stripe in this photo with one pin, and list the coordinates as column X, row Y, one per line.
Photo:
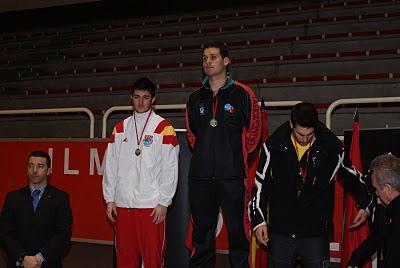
column 137, row 236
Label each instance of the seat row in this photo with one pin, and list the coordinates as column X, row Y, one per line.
column 256, row 28
column 265, row 59
column 179, row 20
column 236, row 47
column 259, row 81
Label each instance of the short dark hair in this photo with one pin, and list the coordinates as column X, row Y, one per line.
column 223, row 50
column 304, row 114
column 43, row 154
column 144, row 83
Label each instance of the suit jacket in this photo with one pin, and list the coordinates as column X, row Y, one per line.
column 46, row 230
column 374, row 241
column 384, row 238
column 391, row 258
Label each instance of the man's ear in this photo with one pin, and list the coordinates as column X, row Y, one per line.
column 153, row 100
column 291, row 124
column 227, row 61
column 389, row 187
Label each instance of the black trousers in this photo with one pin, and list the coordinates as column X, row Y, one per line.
column 284, row 251
column 206, row 197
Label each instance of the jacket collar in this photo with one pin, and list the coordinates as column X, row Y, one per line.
column 229, row 82
column 41, row 188
column 283, row 134
column 393, row 209
column 47, row 194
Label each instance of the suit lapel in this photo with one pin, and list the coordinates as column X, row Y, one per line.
column 27, row 203
column 26, row 192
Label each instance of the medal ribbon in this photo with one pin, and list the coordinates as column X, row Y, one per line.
column 144, row 127
column 214, row 106
column 303, row 171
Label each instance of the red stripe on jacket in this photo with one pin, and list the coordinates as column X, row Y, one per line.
column 167, row 138
column 118, row 128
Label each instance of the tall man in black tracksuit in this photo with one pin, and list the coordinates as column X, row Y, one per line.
column 295, row 184
column 223, row 127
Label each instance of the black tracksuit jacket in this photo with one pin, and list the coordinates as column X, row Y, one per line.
column 219, row 152
column 297, row 207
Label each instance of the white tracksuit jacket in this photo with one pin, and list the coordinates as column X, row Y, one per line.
column 146, row 180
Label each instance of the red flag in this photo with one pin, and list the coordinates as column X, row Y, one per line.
column 353, row 238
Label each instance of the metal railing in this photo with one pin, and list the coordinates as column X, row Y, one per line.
column 328, row 115
column 329, row 111
column 176, row 107
column 56, row 110
column 129, row 108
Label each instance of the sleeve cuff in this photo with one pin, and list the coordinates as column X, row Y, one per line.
column 258, row 225
column 40, row 256
column 165, row 203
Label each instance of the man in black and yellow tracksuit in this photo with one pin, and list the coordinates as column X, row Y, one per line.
column 295, row 184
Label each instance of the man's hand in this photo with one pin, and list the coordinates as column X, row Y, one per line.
column 111, row 211
column 361, row 217
column 159, row 214
column 262, row 234
column 31, row 262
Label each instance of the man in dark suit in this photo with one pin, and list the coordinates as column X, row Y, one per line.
column 36, row 219
column 386, row 234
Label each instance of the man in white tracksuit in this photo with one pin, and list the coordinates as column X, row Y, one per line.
column 140, row 178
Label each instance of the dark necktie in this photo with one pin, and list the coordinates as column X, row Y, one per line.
column 35, row 198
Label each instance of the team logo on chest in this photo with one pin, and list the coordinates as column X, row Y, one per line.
column 201, row 109
column 148, row 140
column 229, row 108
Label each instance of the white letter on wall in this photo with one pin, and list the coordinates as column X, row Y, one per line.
column 50, row 152
column 94, row 159
column 68, row 171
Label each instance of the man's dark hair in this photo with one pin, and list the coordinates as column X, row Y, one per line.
column 221, row 46
column 304, row 114
column 43, row 154
column 144, row 83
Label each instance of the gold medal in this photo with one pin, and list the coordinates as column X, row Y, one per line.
column 213, row 122
column 137, row 152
